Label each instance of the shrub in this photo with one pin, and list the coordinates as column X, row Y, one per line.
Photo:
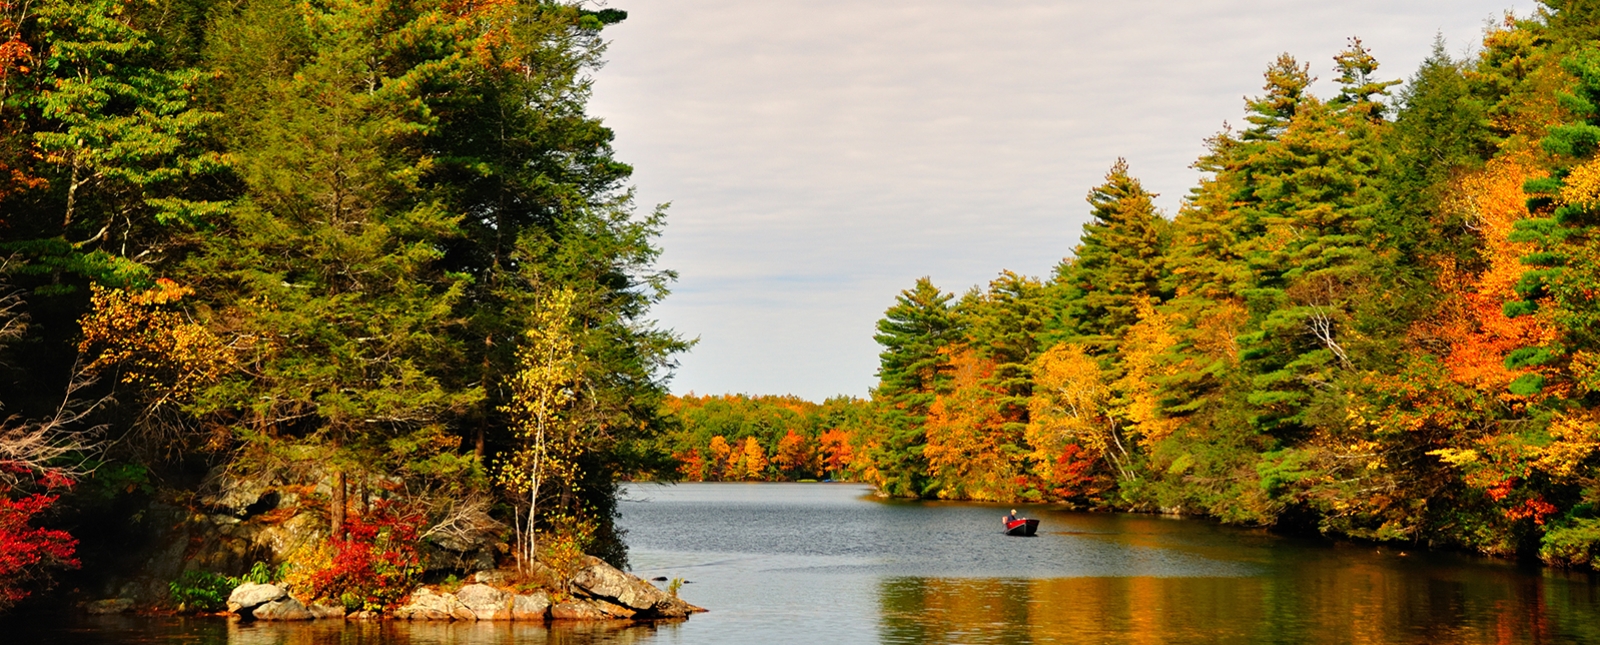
column 563, row 547
column 201, row 591
column 262, row 573
column 373, row 568
column 1574, row 545
column 27, row 553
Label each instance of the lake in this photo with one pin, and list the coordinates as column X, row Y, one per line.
column 829, row 564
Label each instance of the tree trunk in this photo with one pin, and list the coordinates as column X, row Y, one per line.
column 338, row 509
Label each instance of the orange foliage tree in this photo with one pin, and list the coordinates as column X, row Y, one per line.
column 837, row 455
column 796, row 455
column 721, row 457
column 1473, row 321
column 969, row 450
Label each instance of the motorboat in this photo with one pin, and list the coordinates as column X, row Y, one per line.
column 1022, row 527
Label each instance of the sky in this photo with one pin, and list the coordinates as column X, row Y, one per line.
column 821, row 155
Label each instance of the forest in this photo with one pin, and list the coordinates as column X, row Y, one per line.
column 335, row 291
column 364, row 275
column 1374, row 318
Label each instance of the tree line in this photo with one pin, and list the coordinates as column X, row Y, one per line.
column 379, row 249
column 1375, row 317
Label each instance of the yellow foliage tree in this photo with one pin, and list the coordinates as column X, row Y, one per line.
column 543, row 391
column 753, row 460
column 1137, row 400
column 1071, row 405
column 147, row 344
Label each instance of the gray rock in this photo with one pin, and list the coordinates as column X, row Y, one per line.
column 110, row 606
column 424, row 604
column 600, row 580
column 286, row 609
column 493, row 577
column 589, row 609
column 321, row 612
column 530, row 606
column 486, row 602
column 250, row 595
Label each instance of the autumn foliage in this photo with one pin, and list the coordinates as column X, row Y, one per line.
column 373, row 568
column 28, row 552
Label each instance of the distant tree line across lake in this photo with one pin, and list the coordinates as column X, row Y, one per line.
column 1377, row 317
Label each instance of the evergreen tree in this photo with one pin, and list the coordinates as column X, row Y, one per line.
column 1119, row 260
column 329, row 267
column 914, row 333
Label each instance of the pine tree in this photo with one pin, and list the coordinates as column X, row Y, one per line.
column 1119, row 261
column 328, row 270
column 914, row 332
column 1313, row 260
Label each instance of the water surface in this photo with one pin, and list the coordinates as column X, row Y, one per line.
column 829, row 564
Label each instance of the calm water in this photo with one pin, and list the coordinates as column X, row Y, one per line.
column 827, row 564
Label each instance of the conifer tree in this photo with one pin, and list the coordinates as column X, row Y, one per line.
column 914, row 332
column 1312, row 261
column 1119, row 260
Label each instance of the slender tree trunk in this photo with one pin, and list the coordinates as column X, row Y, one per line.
column 365, row 501
column 338, row 509
column 488, row 346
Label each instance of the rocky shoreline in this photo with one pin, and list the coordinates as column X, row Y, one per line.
column 597, row 592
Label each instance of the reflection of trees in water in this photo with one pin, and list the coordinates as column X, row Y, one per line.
column 441, row 633
column 1357, row 603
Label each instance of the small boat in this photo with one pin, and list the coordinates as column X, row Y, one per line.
column 1022, row 527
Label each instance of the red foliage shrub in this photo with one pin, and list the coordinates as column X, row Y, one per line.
column 1073, row 474
column 376, row 564
column 27, row 553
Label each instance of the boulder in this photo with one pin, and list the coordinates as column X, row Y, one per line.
column 486, row 602
column 248, row 596
column 425, row 604
column 286, row 609
column 492, row 577
column 321, row 612
column 601, row 581
column 589, row 609
column 530, row 606
column 109, row 606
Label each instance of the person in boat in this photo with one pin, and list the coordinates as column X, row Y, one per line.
column 1012, row 517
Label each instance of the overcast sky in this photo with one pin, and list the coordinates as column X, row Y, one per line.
column 821, row 155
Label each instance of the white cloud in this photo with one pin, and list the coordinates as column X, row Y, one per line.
column 820, row 155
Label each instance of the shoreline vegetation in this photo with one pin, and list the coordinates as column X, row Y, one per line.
column 347, row 297
column 1374, row 319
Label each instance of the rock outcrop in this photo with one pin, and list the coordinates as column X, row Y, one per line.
column 285, row 609
column 530, row 606
column 486, row 602
column 247, row 597
column 600, row 592
column 109, row 606
column 425, row 604
column 607, row 585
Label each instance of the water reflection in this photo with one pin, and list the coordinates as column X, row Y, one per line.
column 429, row 633
column 108, row 630
column 1356, row 606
